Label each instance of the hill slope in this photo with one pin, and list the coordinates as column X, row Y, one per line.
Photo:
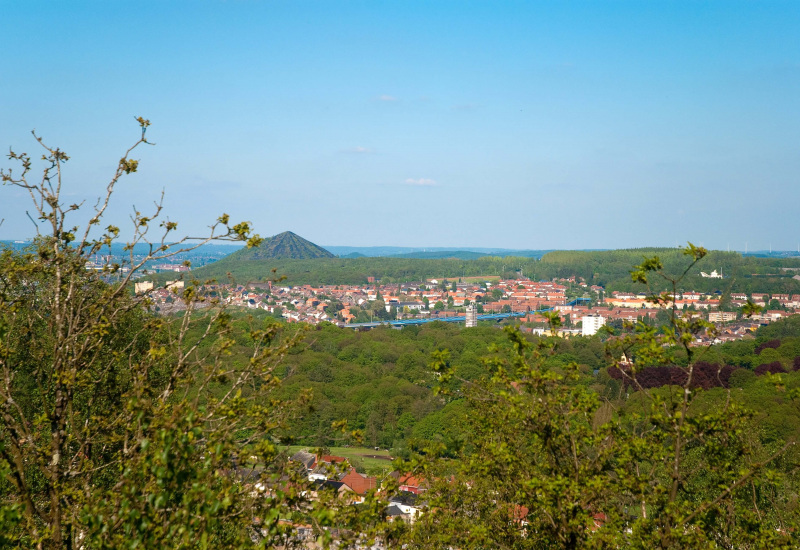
column 284, row 246
column 610, row 269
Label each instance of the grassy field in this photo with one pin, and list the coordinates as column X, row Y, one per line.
column 363, row 459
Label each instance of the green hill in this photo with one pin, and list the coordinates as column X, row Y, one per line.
column 610, row 269
column 283, row 246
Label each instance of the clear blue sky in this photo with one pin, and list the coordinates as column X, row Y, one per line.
column 509, row 124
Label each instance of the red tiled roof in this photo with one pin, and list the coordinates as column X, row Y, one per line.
column 358, row 483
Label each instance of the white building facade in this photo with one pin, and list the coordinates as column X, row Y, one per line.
column 472, row 316
column 590, row 324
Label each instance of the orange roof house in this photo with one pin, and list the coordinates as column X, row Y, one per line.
column 359, row 483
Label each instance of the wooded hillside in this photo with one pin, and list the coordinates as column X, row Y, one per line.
column 610, row 269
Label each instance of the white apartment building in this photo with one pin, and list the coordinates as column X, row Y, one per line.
column 721, row 316
column 590, row 324
column 472, row 316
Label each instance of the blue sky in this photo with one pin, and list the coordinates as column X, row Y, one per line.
column 531, row 125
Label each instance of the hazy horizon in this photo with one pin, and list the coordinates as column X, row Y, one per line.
column 344, row 249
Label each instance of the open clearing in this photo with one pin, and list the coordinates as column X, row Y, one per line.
column 364, row 459
column 480, row 278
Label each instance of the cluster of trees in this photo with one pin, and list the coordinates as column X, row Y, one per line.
column 757, row 355
column 121, row 429
column 380, row 380
column 546, row 462
column 704, row 375
column 550, row 462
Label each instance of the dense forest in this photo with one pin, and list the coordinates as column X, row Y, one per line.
column 610, row 269
column 382, row 383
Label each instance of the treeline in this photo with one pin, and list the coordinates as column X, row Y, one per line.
column 610, row 269
column 340, row 271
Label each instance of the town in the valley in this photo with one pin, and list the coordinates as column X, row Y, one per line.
column 583, row 309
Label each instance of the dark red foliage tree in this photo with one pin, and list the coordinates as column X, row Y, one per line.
column 773, row 368
column 704, row 375
column 774, row 344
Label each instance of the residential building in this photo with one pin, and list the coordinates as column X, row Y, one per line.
column 591, row 324
column 472, row 316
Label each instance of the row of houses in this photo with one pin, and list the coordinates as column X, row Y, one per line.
column 310, row 304
column 335, row 473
